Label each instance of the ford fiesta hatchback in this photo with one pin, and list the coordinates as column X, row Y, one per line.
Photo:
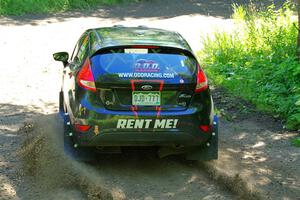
column 137, row 86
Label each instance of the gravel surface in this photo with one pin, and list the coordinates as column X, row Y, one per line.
column 256, row 160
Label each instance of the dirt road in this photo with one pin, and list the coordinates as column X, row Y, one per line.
column 256, row 161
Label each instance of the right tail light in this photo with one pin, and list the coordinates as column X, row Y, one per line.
column 202, row 83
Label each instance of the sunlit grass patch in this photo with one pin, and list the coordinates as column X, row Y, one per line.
column 21, row 7
column 296, row 142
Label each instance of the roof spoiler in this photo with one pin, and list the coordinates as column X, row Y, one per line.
column 153, row 48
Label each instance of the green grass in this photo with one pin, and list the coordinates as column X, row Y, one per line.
column 257, row 61
column 296, row 142
column 21, row 7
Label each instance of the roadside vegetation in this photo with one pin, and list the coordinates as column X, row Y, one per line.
column 21, row 7
column 296, row 141
column 257, row 61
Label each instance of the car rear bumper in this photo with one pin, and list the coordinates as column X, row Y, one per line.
column 140, row 139
column 107, row 133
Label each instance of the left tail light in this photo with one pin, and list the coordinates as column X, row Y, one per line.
column 202, row 82
column 85, row 78
column 205, row 128
column 82, row 128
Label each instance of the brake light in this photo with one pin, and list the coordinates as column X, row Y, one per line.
column 85, row 78
column 205, row 128
column 201, row 80
column 82, row 128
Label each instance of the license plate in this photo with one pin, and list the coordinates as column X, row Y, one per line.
column 146, row 98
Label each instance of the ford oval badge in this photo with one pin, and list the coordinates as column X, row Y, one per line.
column 146, row 87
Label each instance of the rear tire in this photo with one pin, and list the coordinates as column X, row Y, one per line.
column 208, row 151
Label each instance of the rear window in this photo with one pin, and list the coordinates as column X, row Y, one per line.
column 142, row 64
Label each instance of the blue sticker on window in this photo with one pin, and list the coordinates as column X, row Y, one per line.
column 143, row 65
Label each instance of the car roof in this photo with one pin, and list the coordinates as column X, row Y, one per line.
column 124, row 36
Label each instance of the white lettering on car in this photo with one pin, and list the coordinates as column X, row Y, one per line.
column 175, row 123
column 139, row 123
column 146, row 75
column 160, row 123
column 169, row 123
column 130, row 123
column 147, row 123
column 121, row 123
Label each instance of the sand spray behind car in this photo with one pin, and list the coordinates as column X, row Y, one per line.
column 51, row 173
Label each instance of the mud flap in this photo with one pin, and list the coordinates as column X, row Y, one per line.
column 209, row 151
column 71, row 150
column 61, row 104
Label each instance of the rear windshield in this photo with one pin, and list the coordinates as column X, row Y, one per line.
column 132, row 64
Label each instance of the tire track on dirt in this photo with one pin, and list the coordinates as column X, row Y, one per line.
column 140, row 175
column 48, row 172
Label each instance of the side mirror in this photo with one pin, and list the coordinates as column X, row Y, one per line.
column 61, row 56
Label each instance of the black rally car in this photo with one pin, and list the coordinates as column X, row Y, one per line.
column 137, row 86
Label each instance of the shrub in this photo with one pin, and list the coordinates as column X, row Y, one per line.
column 257, row 61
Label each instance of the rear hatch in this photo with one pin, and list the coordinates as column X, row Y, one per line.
column 144, row 78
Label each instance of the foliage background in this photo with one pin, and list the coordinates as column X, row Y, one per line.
column 20, row 7
column 257, row 61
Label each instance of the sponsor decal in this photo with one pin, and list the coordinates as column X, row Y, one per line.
column 182, row 103
column 96, row 130
column 186, row 96
column 146, row 69
column 146, row 75
column 147, row 123
column 143, row 65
